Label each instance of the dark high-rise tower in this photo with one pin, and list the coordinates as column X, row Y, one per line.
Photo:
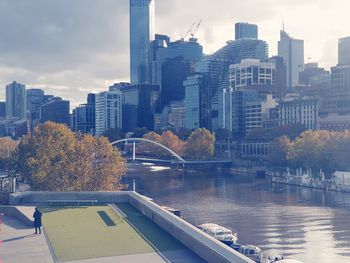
column 141, row 35
column 245, row 30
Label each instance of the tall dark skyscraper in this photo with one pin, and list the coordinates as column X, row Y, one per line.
column 2, row 110
column 84, row 116
column 56, row 110
column 15, row 101
column 344, row 51
column 245, row 30
column 142, row 25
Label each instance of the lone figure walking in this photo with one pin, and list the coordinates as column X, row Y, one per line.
column 37, row 220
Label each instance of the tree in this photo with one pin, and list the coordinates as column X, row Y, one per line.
column 279, row 150
column 173, row 142
column 7, row 147
column 200, row 145
column 151, row 148
column 56, row 159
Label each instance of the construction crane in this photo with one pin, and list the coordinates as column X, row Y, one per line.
column 197, row 27
column 189, row 31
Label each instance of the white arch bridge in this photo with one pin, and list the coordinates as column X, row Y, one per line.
column 180, row 160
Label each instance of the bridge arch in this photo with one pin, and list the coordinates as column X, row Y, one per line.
column 150, row 141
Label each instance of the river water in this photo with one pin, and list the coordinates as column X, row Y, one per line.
column 305, row 224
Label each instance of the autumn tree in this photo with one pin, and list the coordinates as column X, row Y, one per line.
column 279, row 150
column 172, row 141
column 7, row 147
column 53, row 158
column 200, row 145
column 151, row 148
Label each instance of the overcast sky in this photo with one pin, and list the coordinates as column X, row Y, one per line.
column 72, row 47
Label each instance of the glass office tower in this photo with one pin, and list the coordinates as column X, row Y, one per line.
column 141, row 34
column 245, row 30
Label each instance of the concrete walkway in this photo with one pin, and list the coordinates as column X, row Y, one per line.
column 19, row 244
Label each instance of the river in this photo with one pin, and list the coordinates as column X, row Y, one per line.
column 305, row 224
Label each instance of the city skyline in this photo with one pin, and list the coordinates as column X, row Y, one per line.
column 69, row 50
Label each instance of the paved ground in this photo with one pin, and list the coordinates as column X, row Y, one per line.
column 19, row 245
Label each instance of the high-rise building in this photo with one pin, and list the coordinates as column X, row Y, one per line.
column 292, row 51
column 344, row 51
column 177, row 114
column 84, row 116
column 56, row 110
column 217, row 66
column 2, row 110
column 234, row 110
column 163, row 49
column 142, row 23
column 339, row 99
column 15, row 101
column 198, row 89
column 174, row 72
column 252, row 74
column 108, row 111
column 246, row 30
column 280, row 79
column 35, row 99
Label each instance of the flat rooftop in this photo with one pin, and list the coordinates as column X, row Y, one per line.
column 95, row 234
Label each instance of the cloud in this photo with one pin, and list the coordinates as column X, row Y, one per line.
column 71, row 47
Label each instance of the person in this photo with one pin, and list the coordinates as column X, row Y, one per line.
column 37, row 221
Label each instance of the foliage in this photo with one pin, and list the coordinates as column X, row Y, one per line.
column 172, row 141
column 200, row 145
column 317, row 150
column 7, row 147
column 56, row 159
column 280, row 147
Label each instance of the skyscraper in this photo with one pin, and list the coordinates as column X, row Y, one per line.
column 108, row 111
column 218, row 64
column 35, row 99
column 198, row 101
column 2, row 110
column 15, row 101
column 141, row 34
column 245, row 30
column 84, row 116
column 344, row 51
column 56, row 110
column 292, row 51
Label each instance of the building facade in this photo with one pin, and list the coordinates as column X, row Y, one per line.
column 344, row 51
column 108, row 111
column 84, row 116
column 2, row 110
column 142, row 24
column 246, row 30
column 251, row 72
column 15, row 101
column 177, row 114
column 292, row 51
column 56, row 110
column 234, row 103
column 35, row 99
column 302, row 110
column 198, row 89
column 217, row 66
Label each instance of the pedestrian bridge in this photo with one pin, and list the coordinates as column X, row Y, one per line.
column 178, row 158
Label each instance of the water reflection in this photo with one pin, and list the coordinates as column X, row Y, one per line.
column 309, row 225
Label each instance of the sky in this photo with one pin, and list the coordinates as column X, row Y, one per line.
column 73, row 47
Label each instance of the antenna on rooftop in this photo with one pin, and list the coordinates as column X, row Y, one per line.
column 283, row 23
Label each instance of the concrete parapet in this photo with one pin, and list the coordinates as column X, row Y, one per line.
column 199, row 242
